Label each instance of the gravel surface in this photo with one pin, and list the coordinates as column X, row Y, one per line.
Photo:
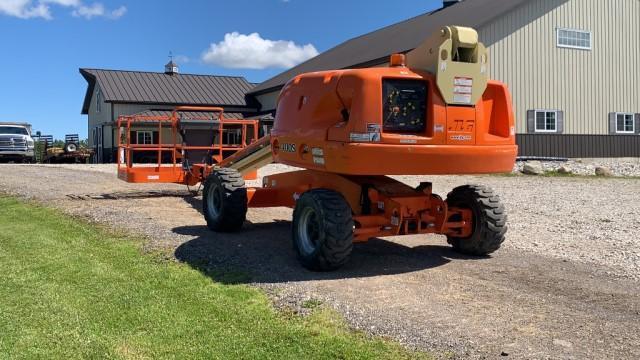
column 627, row 167
column 564, row 285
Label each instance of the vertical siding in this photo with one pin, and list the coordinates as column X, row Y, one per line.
column 96, row 118
column 587, row 85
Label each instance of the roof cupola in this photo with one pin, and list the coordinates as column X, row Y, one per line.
column 171, row 68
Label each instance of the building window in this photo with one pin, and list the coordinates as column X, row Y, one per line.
column 144, row 137
column 625, row 123
column 574, row 39
column 98, row 101
column 546, row 121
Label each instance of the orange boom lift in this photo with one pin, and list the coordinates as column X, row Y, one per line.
column 431, row 111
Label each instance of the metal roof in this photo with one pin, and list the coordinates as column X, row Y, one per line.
column 374, row 48
column 189, row 114
column 139, row 87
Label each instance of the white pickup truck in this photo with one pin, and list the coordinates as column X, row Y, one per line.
column 16, row 143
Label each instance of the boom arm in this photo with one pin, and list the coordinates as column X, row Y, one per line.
column 458, row 61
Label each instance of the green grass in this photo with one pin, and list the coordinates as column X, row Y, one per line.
column 312, row 304
column 71, row 290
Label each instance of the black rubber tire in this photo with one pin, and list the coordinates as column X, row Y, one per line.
column 333, row 242
column 489, row 219
column 230, row 211
column 71, row 147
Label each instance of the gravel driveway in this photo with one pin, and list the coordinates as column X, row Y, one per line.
column 566, row 284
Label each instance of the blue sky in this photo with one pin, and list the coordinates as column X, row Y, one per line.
column 44, row 42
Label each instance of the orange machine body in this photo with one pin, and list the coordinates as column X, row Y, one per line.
column 336, row 121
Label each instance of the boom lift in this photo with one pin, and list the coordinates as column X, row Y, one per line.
column 432, row 111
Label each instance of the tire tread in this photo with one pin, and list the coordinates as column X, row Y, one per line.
column 234, row 202
column 338, row 244
column 489, row 234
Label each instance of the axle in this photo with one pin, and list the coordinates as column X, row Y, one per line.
column 380, row 205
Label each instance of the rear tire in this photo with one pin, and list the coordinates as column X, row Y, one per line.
column 489, row 219
column 322, row 230
column 224, row 200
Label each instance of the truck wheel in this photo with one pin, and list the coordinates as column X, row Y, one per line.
column 322, row 230
column 489, row 219
column 224, row 200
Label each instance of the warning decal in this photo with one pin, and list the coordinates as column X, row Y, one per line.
column 463, row 81
column 462, row 89
column 463, row 99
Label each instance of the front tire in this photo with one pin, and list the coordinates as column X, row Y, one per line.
column 322, row 230
column 224, row 200
column 489, row 219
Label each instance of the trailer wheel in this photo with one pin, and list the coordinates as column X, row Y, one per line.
column 224, row 200
column 489, row 219
column 322, row 230
column 70, row 148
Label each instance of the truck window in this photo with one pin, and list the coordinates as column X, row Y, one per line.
column 404, row 105
column 13, row 130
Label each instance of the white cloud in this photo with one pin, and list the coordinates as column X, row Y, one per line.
column 24, row 9
column 90, row 11
column 62, row 2
column 118, row 13
column 27, row 9
column 97, row 10
column 253, row 52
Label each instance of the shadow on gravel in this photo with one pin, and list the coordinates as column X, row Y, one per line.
column 263, row 253
column 195, row 202
column 128, row 195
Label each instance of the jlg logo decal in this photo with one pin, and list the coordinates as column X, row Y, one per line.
column 288, row 148
column 462, row 125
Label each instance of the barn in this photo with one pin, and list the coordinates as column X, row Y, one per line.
column 111, row 93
